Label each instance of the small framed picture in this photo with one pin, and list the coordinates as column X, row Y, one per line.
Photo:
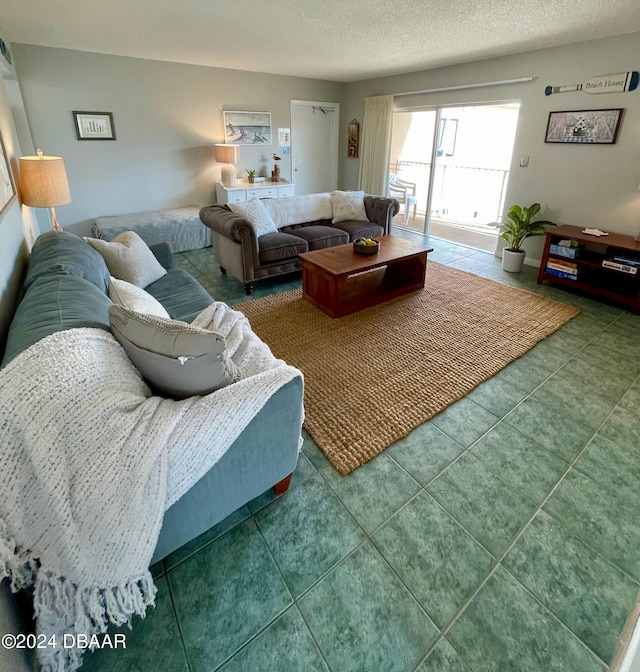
column 94, row 126
column 592, row 127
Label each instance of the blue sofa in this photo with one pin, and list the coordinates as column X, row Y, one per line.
column 66, row 287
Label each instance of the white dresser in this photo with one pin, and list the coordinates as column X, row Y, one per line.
column 243, row 191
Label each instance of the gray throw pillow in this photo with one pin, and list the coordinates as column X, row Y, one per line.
column 129, row 258
column 175, row 358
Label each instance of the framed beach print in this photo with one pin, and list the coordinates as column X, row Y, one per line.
column 94, row 126
column 7, row 188
column 593, row 127
column 247, row 128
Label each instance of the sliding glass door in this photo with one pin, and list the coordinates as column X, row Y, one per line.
column 459, row 160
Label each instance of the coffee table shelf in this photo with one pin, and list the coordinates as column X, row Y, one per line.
column 340, row 282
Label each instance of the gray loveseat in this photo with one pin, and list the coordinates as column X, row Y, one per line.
column 66, row 287
column 249, row 257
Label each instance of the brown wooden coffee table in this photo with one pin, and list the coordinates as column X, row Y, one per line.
column 339, row 281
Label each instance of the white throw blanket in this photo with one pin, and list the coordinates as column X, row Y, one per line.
column 299, row 209
column 91, row 461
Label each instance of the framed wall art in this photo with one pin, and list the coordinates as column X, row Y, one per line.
column 94, row 126
column 247, row 128
column 353, row 142
column 7, row 188
column 593, row 127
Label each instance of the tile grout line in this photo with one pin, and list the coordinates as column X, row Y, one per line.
column 491, row 571
column 178, row 624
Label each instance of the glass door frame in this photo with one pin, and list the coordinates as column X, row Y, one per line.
column 436, row 133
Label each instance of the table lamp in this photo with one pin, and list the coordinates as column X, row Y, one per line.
column 43, row 183
column 228, row 154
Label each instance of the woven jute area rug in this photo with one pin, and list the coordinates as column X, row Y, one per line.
column 373, row 376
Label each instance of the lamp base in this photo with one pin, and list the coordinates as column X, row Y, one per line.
column 229, row 175
column 54, row 221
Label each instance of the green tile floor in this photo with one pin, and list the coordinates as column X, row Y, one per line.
column 501, row 536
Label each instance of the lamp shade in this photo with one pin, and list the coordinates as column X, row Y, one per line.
column 43, row 181
column 227, row 153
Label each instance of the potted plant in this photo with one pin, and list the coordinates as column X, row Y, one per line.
column 518, row 227
column 251, row 174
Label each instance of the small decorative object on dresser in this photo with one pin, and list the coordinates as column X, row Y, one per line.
column 251, row 175
column 275, row 174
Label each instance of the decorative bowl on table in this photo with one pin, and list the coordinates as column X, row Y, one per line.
column 366, row 246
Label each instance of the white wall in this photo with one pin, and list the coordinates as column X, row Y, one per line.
column 595, row 185
column 167, row 116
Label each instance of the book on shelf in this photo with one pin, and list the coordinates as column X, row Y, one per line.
column 568, row 251
column 618, row 266
column 561, row 274
column 631, row 261
column 560, row 266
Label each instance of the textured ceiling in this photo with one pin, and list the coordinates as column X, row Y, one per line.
column 338, row 40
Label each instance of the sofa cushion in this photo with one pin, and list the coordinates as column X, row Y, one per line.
column 348, row 206
column 65, row 253
column 175, row 358
column 360, row 229
column 128, row 295
column 278, row 246
column 129, row 258
column 182, row 296
column 254, row 212
column 319, row 237
column 56, row 302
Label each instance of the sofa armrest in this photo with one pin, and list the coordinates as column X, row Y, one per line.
column 381, row 211
column 220, row 219
column 162, row 252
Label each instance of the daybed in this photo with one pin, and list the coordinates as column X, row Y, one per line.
column 60, row 354
column 302, row 223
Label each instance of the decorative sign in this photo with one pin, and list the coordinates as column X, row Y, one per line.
column 624, row 81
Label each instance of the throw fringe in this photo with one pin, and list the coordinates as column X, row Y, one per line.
column 62, row 608
column 16, row 564
column 84, row 611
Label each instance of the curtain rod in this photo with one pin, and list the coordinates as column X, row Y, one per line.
column 468, row 86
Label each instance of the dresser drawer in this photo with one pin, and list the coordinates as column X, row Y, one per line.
column 285, row 191
column 237, row 196
column 267, row 192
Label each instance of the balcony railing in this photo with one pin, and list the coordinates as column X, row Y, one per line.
column 461, row 194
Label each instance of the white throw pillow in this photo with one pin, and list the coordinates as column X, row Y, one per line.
column 129, row 258
column 348, row 206
column 256, row 214
column 128, row 295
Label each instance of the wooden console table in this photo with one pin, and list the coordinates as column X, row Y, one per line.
column 339, row 281
column 592, row 276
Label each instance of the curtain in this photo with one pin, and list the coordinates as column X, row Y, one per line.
column 376, row 145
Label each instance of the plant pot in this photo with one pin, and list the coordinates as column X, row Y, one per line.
column 512, row 260
column 251, row 179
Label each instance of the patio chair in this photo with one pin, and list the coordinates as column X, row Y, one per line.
column 405, row 192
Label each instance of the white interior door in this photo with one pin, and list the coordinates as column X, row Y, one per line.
column 315, row 129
